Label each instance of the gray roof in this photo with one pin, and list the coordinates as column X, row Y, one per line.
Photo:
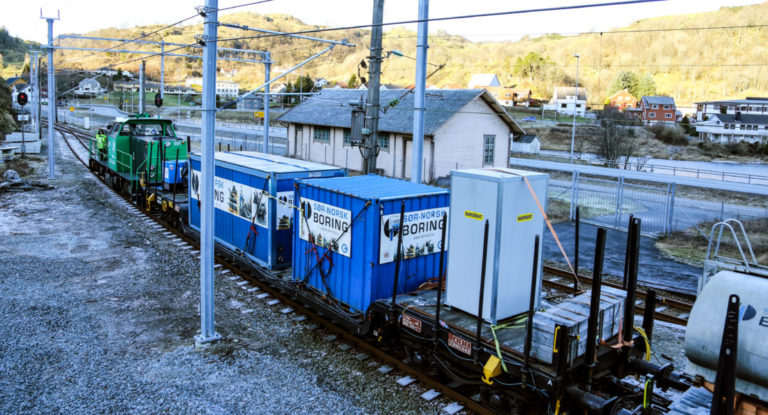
column 659, row 100
column 331, row 108
column 526, row 138
column 561, row 92
column 745, row 118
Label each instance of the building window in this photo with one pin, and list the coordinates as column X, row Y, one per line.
column 322, row 135
column 741, row 127
column 655, row 106
column 563, row 105
column 651, row 115
column 384, row 142
column 347, row 139
column 489, row 144
column 578, row 105
column 666, row 107
column 667, row 115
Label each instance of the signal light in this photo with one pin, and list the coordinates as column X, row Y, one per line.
column 22, row 98
column 158, row 100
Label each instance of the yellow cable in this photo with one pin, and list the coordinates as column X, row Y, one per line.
column 647, row 342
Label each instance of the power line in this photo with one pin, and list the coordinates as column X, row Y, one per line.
column 242, row 5
column 438, row 19
column 132, row 40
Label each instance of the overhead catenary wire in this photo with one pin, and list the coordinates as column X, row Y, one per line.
column 460, row 17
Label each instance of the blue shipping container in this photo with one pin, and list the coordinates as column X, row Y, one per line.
column 174, row 171
column 346, row 240
column 253, row 200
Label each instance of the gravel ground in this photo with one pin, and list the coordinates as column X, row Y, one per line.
column 98, row 315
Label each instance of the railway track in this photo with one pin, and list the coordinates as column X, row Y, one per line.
column 361, row 345
column 667, row 309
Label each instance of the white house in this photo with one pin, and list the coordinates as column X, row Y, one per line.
column 89, row 87
column 320, row 83
column 480, row 80
column 107, row 71
column 565, row 101
column 227, row 89
column 751, row 105
column 464, row 128
column 526, row 143
column 730, row 128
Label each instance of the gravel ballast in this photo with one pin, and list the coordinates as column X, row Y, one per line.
column 99, row 311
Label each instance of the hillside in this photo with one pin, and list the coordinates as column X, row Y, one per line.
column 680, row 62
column 13, row 53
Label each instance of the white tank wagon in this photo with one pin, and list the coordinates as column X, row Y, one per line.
column 705, row 331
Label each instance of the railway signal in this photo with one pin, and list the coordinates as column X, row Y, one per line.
column 158, row 100
column 22, row 98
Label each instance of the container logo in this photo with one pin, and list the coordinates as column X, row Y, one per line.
column 747, row 312
column 473, row 215
column 525, row 217
column 422, row 233
column 327, row 226
column 245, row 202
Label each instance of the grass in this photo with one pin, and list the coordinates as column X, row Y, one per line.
column 690, row 245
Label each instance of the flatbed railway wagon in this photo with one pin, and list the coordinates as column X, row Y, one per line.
column 138, row 151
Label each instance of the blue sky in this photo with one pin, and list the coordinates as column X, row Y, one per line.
column 80, row 16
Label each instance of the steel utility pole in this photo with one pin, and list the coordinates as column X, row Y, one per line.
column 208, row 130
column 419, row 105
column 575, row 99
column 51, row 96
column 162, row 68
column 38, row 96
column 371, row 131
column 141, row 87
column 267, row 66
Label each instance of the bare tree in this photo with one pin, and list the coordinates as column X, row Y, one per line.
column 616, row 142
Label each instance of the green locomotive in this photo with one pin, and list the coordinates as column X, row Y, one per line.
column 134, row 153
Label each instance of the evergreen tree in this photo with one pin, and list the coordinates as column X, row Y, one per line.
column 625, row 80
column 352, row 83
column 646, row 86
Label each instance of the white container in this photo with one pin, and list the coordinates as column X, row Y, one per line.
column 501, row 197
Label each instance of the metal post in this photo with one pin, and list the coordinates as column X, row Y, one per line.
column 576, row 251
column 575, row 99
column 267, row 67
column 531, row 311
column 440, row 278
column 482, row 293
column 141, row 87
column 398, row 253
column 38, row 96
column 419, row 105
column 208, row 132
column 671, row 218
column 594, row 306
column 162, row 68
column 619, row 198
column 372, row 106
column 51, row 102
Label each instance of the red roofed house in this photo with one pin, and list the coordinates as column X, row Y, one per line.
column 622, row 100
column 658, row 110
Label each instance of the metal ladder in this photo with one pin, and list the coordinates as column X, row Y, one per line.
column 714, row 263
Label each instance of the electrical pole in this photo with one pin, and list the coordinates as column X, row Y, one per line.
column 208, row 130
column 371, row 148
column 51, row 97
column 38, row 96
column 575, row 99
column 162, row 68
column 267, row 66
column 141, row 87
column 419, row 104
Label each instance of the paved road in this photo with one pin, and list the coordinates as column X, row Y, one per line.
column 655, row 270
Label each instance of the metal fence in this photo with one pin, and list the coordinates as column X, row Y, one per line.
column 663, row 208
